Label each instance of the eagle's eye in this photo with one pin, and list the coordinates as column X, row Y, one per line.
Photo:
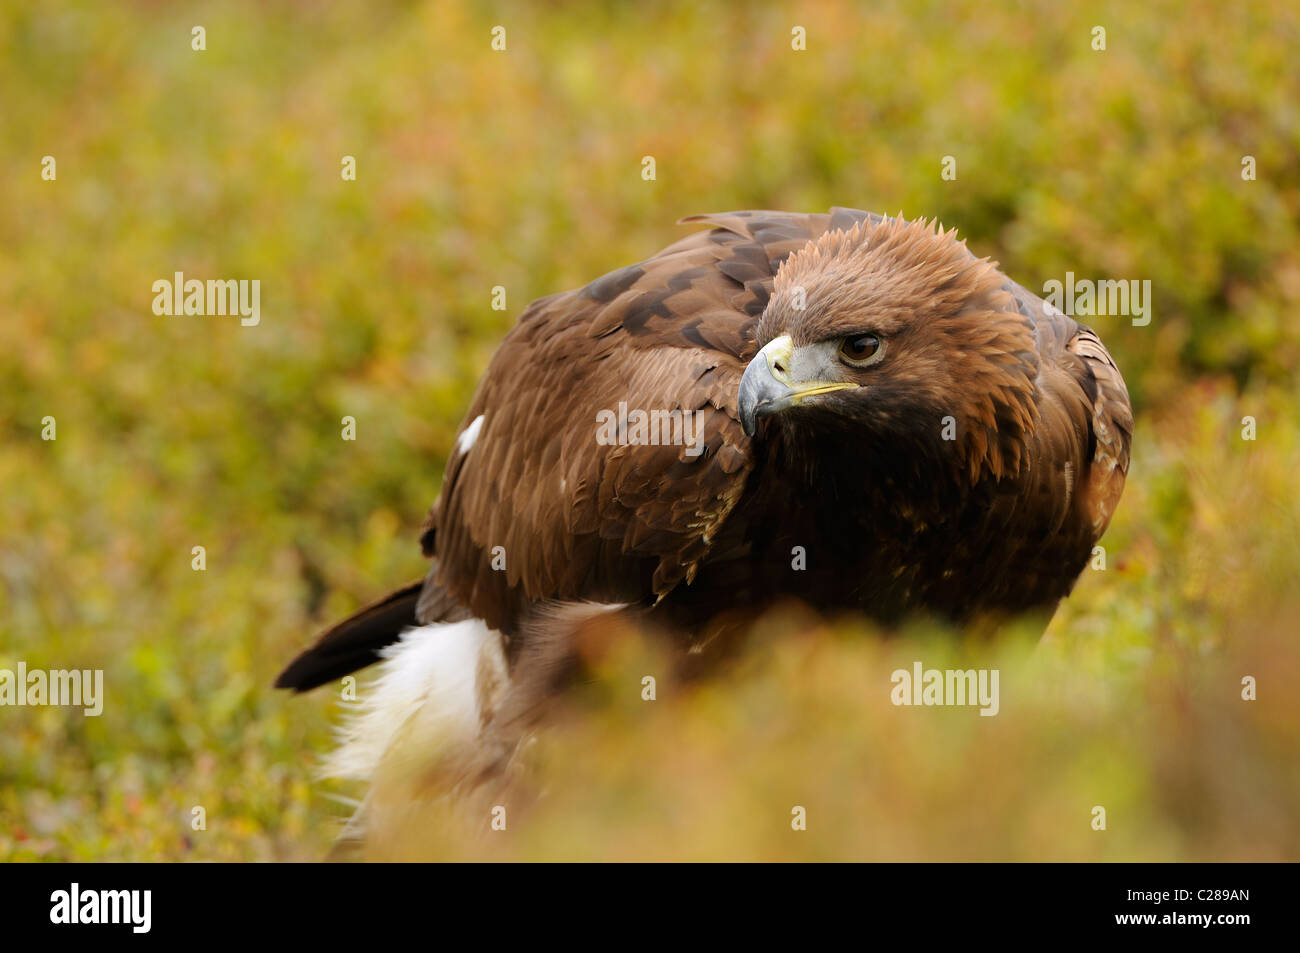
column 860, row 349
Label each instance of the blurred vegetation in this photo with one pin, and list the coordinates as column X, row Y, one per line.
column 523, row 169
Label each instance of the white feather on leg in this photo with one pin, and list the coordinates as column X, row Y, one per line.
column 446, row 716
column 416, row 728
column 426, row 701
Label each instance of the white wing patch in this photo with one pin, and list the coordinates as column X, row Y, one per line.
column 469, row 435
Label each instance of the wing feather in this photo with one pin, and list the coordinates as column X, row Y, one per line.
column 575, row 519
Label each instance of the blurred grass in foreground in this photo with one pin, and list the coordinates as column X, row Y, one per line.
column 523, row 170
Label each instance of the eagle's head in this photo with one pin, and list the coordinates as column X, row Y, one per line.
column 893, row 335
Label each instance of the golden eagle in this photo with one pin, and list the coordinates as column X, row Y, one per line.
column 844, row 409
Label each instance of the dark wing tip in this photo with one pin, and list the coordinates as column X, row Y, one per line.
column 303, row 674
column 354, row 643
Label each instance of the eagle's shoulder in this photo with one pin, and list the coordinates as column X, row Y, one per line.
column 536, row 504
column 1086, row 418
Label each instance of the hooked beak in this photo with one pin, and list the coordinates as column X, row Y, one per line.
column 767, row 387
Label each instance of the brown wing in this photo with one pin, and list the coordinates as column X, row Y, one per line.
column 1081, row 447
column 568, row 517
column 1043, row 524
column 1112, row 431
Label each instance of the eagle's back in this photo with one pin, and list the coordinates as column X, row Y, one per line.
column 567, row 517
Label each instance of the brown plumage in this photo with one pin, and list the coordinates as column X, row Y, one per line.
column 962, row 454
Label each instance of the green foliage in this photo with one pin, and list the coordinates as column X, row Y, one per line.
column 523, row 169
